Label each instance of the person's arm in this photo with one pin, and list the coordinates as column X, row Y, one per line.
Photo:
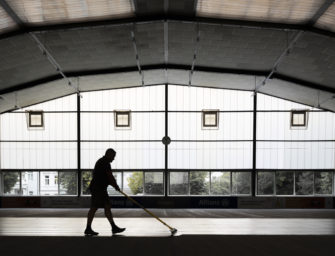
column 112, row 181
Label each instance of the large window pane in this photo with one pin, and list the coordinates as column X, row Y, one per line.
column 277, row 126
column 210, row 155
column 38, row 155
column 118, row 178
column 86, row 177
column 101, row 126
column 11, row 183
column 139, row 98
column 57, row 126
column 304, row 183
column 154, row 183
column 133, row 183
column 220, row 183
column 68, row 183
column 49, row 183
column 241, row 183
column 129, row 155
column 265, row 183
column 295, row 155
column 199, row 98
column 30, row 183
column 199, row 183
column 189, row 126
column 285, row 183
column 323, row 183
column 178, row 183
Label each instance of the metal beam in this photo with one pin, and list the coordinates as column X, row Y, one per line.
column 166, row 47
column 52, row 60
column 280, row 59
column 134, row 4
column 12, row 13
column 170, row 18
column 310, row 23
column 132, row 33
column 195, row 7
column 194, row 55
column 320, row 12
column 163, row 66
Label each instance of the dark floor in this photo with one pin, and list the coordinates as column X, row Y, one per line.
column 181, row 245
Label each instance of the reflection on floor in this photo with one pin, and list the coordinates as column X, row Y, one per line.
column 200, row 232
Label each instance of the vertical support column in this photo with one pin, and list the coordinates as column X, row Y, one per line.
column 78, row 147
column 253, row 177
column 166, row 136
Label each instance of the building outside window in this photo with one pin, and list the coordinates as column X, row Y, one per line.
column 46, row 179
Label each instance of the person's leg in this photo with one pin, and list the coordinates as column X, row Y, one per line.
column 90, row 217
column 109, row 216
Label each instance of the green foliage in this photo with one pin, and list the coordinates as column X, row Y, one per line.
column 265, row 183
column 199, row 183
column 221, row 184
column 323, row 183
column 135, row 182
column 68, row 182
column 10, row 179
column 284, row 183
column 241, row 183
column 304, row 183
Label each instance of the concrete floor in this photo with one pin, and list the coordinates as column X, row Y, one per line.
column 200, row 232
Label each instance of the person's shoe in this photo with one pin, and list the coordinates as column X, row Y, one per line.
column 116, row 230
column 90, row 232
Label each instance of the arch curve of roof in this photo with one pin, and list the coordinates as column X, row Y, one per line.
column 281, row 48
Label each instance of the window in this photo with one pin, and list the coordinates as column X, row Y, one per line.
column 35, row 119
column 46, row 179
column 56, row 180
column 179, row 183
column 210, row 119
column 299, row 118
column 122, row 119
column 265, row 183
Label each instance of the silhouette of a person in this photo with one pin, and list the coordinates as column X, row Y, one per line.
column 102, row 177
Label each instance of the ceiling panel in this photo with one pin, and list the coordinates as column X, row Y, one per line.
column 182, row 42
column 150, row 43
column 240, row 48
column 284, row 11
column 22, row 61
column 91, row 49
column 61, row 11
column 327, row 20
column 312, row 59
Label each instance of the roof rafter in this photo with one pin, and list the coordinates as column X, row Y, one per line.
column 12, row 14
column 170, row 18
column 185, row 68
column 298, row 35
column 320, row 12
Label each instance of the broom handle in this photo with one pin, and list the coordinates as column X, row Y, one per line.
column 150, row 213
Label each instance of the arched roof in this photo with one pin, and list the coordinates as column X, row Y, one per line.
column 284, row 48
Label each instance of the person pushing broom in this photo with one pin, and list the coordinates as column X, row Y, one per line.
column 102, row 177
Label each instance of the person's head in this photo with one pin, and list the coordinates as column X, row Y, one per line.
column 110, row 154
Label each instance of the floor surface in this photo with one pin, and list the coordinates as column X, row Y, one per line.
column 200, row 232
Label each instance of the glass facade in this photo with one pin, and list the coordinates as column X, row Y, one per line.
column 287, row 161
